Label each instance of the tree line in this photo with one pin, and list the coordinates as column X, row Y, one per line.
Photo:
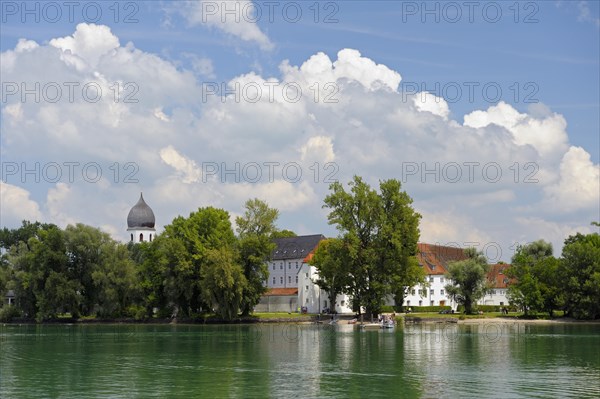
column 537, row 281
column 197, row 265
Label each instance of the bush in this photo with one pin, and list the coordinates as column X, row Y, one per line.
column 9, row 312
column 427, row 309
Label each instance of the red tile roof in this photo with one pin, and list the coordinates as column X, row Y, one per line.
column 497, row 276
column 281, row 291
column 436, row 258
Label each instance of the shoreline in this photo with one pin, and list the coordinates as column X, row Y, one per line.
column 304, row 320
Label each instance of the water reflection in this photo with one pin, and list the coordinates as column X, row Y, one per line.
column 428, row 361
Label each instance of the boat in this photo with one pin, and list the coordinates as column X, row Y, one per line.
column 387, row 324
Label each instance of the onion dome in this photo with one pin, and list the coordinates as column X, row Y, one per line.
column 141, row 215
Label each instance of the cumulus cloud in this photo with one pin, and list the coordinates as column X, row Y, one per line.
column 579, row 184
column 15, row 205
column 370, row 130
column 89, row 41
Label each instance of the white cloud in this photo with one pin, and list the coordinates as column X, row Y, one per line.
column 186, row 167
column 579, row 184
column 171, row 133
column 239, row 23
column 547, row 135
column 318, row 149
column 15, row 205
column 89, row 41
column 425, row 101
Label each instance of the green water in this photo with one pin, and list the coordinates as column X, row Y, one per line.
column 299, row 361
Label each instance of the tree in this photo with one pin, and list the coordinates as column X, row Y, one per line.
column 330, row 260
column 468, row 282
column 397, row 240
column 115, row 281
column 283, row 234
column 255, row 230
column 185, row 245
column 531, row 286
column 223, row 282
column 379, row 232
column 579, row 276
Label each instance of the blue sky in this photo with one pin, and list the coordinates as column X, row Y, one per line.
column 542, row 56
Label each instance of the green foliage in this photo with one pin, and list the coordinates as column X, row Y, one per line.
column 429, row 309
column 8, row 313
column 534, row 273
column 579, row 276
column 330, row 260
column 468, row 282
column 255, row 230
column 283, row 234
column 223, row 283
column 380, row 233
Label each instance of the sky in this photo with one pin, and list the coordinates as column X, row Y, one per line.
column 488, row 113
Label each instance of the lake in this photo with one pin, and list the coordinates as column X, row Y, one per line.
column 484, row 360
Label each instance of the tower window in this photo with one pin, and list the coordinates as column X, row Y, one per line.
column 141, row 237
column 131, row 237
column 150, row 236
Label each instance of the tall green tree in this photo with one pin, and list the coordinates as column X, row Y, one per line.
column 223, row 282
column 330, row 260
column 468, row 279
column 380, row 232
column 579, row 276
column 255, row 230
column 528, row 290
column 186, row 243
column 398, row 236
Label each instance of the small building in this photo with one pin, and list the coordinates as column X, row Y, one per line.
column 498, row 286
column 140, row 222
column 9, row 298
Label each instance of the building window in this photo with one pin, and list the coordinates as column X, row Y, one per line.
column 407, row 303
column 150, row 236
column 432, row 292
column 431, row 279
column 306, row 288
column 290, row 279
column 306, row 275
column 141, row 237
column 432, row 303
column 280, row 265
column 281, row 280
column 343, row 303
column 273, row 280
column 501, row 303
column 289, row 265
column 296, row 279
column 441, row 292
column 296, row 265
column 132, row 237
column 441, row 279
column 412, row 292
column 273, row 266
column 306, row 300
column 420, row 303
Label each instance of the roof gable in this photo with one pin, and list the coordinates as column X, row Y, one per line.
column 436, row 258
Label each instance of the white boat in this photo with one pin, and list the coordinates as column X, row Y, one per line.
column 387, row 324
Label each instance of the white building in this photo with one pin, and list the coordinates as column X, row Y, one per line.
column 499, row 286
column 312, row 297
column 435, row 259
column 140, row 222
